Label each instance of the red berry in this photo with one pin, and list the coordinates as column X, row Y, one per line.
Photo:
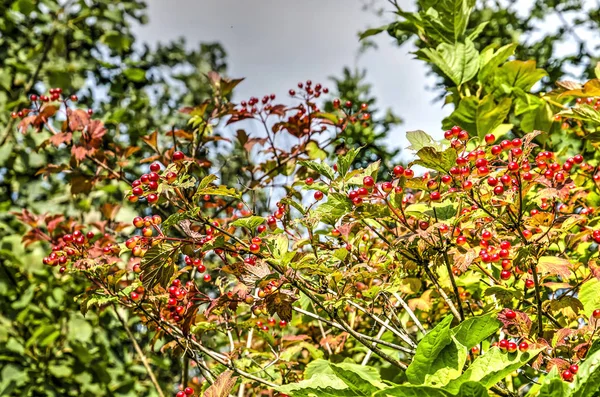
column 574, row 368
column 188, row 391
column 254, row 248
column 398, row 170
column 505, row 274
column 178, row 156
column 138, row 191
column 434, row 196
column 207, row 278
column 523, row 346
column 511, row 347
column 154, row 167
column 529, row 283
column 503, row 344
column 475, row 350
column 309, row 181
column 368, row 182
column 596, row 313
column 490, row 138
column 152, row 198
column 511, row 315
column 567, row 375
column 318, row 195
column 408, row 173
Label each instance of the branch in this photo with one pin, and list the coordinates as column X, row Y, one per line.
column 140, row 353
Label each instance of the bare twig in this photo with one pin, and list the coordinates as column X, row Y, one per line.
column 140, row 353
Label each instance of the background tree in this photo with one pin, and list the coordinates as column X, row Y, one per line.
column 89, row 50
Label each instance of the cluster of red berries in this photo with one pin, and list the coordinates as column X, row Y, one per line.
column 509, row 346
column 197, row 263
column 188, row 391
column 259, row 309
column 270, row 322
column 251, row 107
column 140, row 244
column 361, row 114
column 272, row 219
column 138, row 294
column 309, row 90
column 148, row 183
column 72, row 247
column 177, row 302
column 54, row 94
column 457, row 137
column 595, row 102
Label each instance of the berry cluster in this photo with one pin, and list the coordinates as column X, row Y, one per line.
column 147, row 185
column 54, row 95
column 70, row 248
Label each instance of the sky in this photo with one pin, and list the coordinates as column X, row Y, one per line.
column 276, row 43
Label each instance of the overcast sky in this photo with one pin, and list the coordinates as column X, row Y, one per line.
column 276, row 43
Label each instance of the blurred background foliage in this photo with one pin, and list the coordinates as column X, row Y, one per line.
column 47, row 347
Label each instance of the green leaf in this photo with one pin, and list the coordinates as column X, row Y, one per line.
column 337, row 205
column 439, row 358
column 589, row 296
column 430, row 158
column 467, row 389
column 538, row 119
column 135, row 74
column 318, row 385
column 419, row 139
column 372, row 32
column 489, row 60
column 354, row 382
column 587, row 381
column 60, row 371
column 582, row 112
column 315, row 152
column 519, row 74
column 345, row 161
column 206, row 181
column 218, row 191
column 462, row 11
column 476, row 329
column 597, row 70
column 442, row 211
column 250, row 222
column 459, row 62
column 321, row 168
column 25, row 7
column 412, row 391
column 156, row 266
column 493, row 366
column 491, row 114
column 464, row 115
column 550, row 385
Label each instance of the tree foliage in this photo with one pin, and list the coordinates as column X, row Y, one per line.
column 266, row 263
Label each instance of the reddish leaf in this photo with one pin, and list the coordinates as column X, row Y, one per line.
column 52, row 169
column 151, row 140
column 60, row 138
column 79, row 152
column 519, row 326
column 81, row 184
column 78, row 119
column 25, row 123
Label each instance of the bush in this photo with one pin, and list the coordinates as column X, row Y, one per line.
column 472, row 270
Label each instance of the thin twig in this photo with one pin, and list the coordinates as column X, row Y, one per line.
column 140, row 353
